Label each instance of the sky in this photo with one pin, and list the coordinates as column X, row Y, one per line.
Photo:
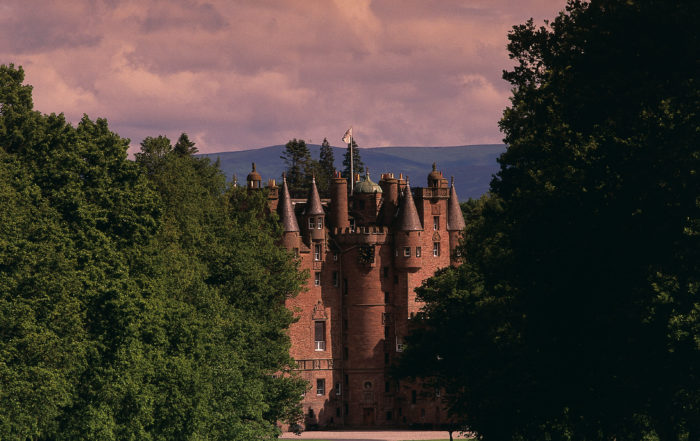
column 237, row 75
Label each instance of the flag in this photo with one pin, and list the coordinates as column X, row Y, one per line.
column 348, row 136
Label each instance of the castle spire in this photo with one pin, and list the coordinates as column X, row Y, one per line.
column 313, row 203
column 455, row 218
column 285, row 209
column 408, row 215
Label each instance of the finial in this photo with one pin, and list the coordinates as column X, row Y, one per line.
column 434, row 166
column 313, row 178
column 367, row 173
column 254, row 167
column 284, row 177
column 452, row 181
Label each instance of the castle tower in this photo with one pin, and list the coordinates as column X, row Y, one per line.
column 366, row 200
column 390, row 186
column 407, row 234
column 339, row 202
column 254, row 179
column 455, row 219
column 285, row 209
column 314, row 216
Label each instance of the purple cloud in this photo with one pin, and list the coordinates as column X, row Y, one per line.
column 246, row 74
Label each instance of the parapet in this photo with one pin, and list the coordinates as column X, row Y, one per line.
column 361, row 235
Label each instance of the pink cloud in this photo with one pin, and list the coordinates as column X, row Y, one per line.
column 247, row 74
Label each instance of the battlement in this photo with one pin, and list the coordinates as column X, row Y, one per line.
column 361, row 235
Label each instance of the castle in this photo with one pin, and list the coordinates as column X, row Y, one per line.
column 365, row 251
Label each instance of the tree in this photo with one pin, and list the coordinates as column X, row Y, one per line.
column 358, row 165
column 326, row 169
column 138, row 300
column 184, row 146
column 575, row 314
column 300, row 166
column 153, row 152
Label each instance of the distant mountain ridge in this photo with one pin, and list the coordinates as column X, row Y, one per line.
column 472, row 165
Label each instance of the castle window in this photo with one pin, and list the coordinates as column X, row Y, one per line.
column 319, row 223
column 345, row 324
column 386, row 271
column 389, row 415
column 345, row 357
column 387, row 387
column 338, row 391
column 406, row 251
column 317, row 279
column 311, row 413
column 337, row 412
column 417, row 251
column 436, row 223
column 396, row 279
column 387, row 297
column 335, row 257
column 312, row 223
column 320, row 335
column 296, row 252
column 386, row 333
column 320, row 386
column 345, row 287
column 317, row 251
column 396, row 252
column 335, row 278
column 436, row 249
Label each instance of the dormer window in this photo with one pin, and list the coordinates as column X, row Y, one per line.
column 312, row 223
column 319, row 223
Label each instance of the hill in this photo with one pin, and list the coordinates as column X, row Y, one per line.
column 471, row 165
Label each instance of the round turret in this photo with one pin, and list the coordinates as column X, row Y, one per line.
column 366, row 186
column 254, row 179
column 435, row 178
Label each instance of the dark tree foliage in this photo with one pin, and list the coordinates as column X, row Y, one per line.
column 185, row 147
column 300, row 167
column 358, row 165
column 576, row 313
column 326, row 169
column 137, row 301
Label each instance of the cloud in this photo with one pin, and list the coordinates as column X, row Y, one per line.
column 247, row 74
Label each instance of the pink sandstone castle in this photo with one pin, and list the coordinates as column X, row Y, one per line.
column 365, row 253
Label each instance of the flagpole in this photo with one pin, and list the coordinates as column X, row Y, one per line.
column 352, row 170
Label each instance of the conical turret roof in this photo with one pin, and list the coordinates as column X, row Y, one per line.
column 313, row 203
column 455, row 218
column 286, row 210
column 408, row 216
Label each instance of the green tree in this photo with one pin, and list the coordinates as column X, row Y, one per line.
column 326, row 169
column 576, row 313
column 300, row 166
column 138, row 300
column 153, row 152
column 358, row 165
column 184, row 146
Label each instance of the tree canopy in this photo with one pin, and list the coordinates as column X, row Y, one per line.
column 138, row 300
column 576, row 312
column 358, row 165
column 300, row 166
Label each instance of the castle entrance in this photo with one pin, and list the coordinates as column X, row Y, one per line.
column 368, row 416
